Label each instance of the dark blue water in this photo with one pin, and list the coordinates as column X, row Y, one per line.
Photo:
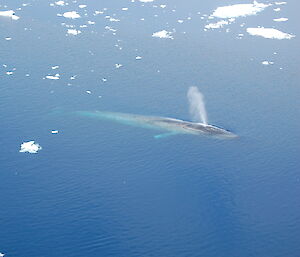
column 99, row 188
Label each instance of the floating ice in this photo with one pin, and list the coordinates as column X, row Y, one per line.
column 81, row 6
column 269, row 33
column 117, row 65
column 163, row 34
column 217, row 25
column 277, row 9
column 30, row 147
column 60, row 3
column 11, row 14
column 2, row 254
column 54, row 131
column 267, row 62
column 280, row 3
column 74, row 32
column 138, row 57
column 280, row 19
column 146, row 1
column 54, row 67
column 88, row 91
column 71, row 15
column 55, row 77
column 9, row 73
column 238, row 10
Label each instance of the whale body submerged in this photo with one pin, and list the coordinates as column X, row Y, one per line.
column 170, row 125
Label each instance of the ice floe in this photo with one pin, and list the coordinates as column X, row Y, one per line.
column 74, row 32
column 163, row 34
column 138, row 57
column 267, row 62
column 60, row 3
column 280, row 19
column 238, row 10
column 55, row 67
column 118, row 65
column 55, row 77
column 146, row 1
column 30, row 147
column 276, row 9
column 11, row 14
column 269, row 33
column 217, row 25
column 71, row 15
column 81, row 6
column 54, row 131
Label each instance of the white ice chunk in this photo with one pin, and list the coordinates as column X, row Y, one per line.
column 138, row 57
column 267, row 62
column 163, row 34
column 71, row 15
column 269, row 33
column 55, row 77
column 81, row 6
column 11, row 14
column 74, row 32
column 217, row 25
column 118, row 65
column 60, row 3
column 54, row 131
column 30, row 147
column 280, row 19
column 237, row 10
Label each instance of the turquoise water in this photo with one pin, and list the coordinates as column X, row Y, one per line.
column 99, row 188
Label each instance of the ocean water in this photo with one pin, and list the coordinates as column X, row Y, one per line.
column 99, row 188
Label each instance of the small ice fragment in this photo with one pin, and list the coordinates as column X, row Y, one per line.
column 88, row 91
column 74, row 32
column 91, row 22
column 217, row 25
column 54, row 131
column 55, row 77
column 60, row 3
column 280, row 19
column 11, row 14
column 54, row 67
column 30, row 147
column 2, row 254
column 180, row 21
column 81, row 6
column 9, row 73
column 269, row 33
column 71, row 15
column 113, row 19
column 238, row 10
column 104, row 79
column 124, row 9
column 8, row 38
column 118, row 65
column 146, row 1
column 276, row 9
column 138, row 57
column 163, row 34
column 267, row 62
column 280, row 3
column 163, row 6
